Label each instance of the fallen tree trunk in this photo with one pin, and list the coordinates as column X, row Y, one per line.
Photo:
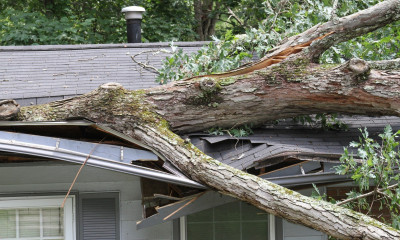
column 292, row 85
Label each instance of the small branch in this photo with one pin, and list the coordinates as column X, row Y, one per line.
column 232, row 14
column 281, row 4
column 334, row 16
column 79, row 171
column 384, row 194
column 365, row 195
column 144, row 65
column 373, row 200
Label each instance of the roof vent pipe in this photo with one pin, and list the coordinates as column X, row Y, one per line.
column 133, row 16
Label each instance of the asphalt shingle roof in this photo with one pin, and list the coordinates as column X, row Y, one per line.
column 39, row 74
column 289, row 139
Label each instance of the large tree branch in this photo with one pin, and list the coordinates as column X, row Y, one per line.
column 130, row 113
column 286, row 89
column 345, row 28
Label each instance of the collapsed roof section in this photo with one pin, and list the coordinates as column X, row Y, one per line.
column 289, row 149
column 287, row 154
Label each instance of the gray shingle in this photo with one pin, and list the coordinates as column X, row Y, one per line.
column 303, row 143
column 53, row 71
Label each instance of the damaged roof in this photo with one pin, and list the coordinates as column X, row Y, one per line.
column 97, row 146
column 289, row 148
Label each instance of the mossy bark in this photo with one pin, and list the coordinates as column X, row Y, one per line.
column 134, row 114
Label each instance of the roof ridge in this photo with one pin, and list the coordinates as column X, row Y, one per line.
column 98, row 46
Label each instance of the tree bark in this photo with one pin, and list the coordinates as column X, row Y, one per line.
column 288, row 88
column 205, row 22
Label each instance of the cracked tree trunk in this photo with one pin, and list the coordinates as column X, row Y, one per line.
column 294, row 86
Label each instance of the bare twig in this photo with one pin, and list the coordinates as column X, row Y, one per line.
column 373, row 200
column 232, row 14
column 189, row 202
column 281, row 4
column 366, row 194
column 384, row 194
column 334, row 9
column 145, row 65
column 79, row 171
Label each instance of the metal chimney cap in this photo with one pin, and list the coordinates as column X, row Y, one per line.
column 133, row 12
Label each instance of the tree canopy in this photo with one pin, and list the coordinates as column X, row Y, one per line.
column 265, row 23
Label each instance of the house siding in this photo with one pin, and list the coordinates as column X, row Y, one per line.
column 28, row 179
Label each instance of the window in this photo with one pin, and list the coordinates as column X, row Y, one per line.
column 233, row 221
column 37, row 218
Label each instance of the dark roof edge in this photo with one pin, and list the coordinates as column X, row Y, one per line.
column 99, row 46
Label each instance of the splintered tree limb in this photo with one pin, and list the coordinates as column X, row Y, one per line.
column 345, row 28
column 283, row 90
column 286, row 88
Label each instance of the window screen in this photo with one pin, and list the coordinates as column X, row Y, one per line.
column 38, row 223
column 36, row 218
column 233, row 221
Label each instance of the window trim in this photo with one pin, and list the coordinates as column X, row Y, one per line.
column 46, row 201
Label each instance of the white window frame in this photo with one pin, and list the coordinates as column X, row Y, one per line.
column 43, row 202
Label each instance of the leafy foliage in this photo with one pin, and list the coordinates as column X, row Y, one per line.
column 375, row 167
column 168, row 20
column 217, row 56
column 76, row 21
column 241, row 131
column 20, row 28
column 282, row 19
column 324, row 120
